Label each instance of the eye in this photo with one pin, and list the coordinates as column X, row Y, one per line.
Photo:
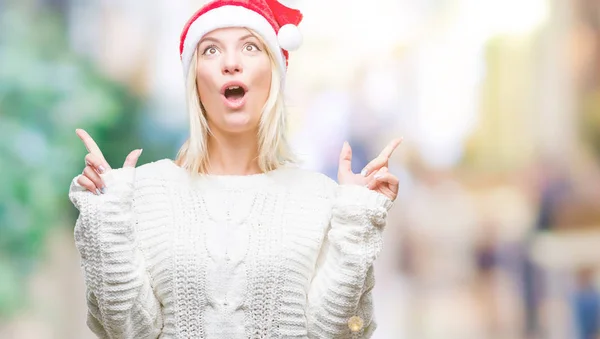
column 251, row 47
column 210, row 50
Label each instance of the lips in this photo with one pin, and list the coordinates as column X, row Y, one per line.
column 234, row 94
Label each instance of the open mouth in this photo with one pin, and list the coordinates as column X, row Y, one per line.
column 234, row 93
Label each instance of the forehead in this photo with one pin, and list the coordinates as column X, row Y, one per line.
column 227, row 33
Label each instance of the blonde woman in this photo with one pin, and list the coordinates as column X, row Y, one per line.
column 231, row 240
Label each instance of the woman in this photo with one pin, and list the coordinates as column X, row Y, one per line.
column 231, row 240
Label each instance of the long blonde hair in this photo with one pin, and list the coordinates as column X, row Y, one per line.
column 273, row 147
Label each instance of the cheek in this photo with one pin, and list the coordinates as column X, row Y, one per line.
column 203, row 83
column 208, row 91
column 263, row 77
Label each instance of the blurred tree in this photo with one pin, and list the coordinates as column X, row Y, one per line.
column 587, row 16
column 46, row 91
column 590, row 120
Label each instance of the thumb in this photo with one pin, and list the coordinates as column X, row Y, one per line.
column 345, row 158
column 132, row 158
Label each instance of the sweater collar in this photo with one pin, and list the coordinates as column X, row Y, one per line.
column 234, row 182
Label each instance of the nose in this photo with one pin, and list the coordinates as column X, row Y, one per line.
column 232, row 64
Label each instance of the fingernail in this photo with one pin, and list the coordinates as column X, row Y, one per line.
column 377, row 176
column 97, row 191
column 101, row 169
column 363, row 172
column 140, row 152
column 103, row 190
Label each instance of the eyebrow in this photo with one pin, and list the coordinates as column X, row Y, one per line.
column 250, row 35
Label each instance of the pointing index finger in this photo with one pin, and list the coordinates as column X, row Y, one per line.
column 389, row 149
column 89, row 143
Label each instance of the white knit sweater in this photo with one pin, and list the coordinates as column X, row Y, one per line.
column 286, row 254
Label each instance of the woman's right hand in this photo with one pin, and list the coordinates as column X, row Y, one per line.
column 96, row 164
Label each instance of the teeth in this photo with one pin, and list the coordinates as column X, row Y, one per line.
column 233, row 87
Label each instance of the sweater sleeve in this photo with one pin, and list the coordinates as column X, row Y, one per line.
column 120, row 298
column 340, row 291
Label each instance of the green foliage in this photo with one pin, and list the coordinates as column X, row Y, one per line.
column 590, row 120
column 46, row 91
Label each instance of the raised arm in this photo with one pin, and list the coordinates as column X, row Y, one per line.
column 340, row 301
column 120, row 297
column 340, row 298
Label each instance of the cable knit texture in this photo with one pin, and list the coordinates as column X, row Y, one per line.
column 285, row 254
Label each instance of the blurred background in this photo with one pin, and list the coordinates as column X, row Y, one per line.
column 496, row 232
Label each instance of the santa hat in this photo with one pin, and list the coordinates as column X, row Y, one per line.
column 274, row 22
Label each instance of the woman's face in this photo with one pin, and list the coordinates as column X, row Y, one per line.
column 233, row 75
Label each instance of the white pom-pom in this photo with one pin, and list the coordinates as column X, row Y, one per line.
column 289, row 37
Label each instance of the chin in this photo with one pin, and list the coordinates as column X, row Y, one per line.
column 239, row 122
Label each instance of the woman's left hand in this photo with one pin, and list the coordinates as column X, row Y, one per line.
column 375, row 175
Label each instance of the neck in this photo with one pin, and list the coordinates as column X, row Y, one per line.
column 233, row 154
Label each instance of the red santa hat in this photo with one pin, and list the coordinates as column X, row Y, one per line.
column 274, row 22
